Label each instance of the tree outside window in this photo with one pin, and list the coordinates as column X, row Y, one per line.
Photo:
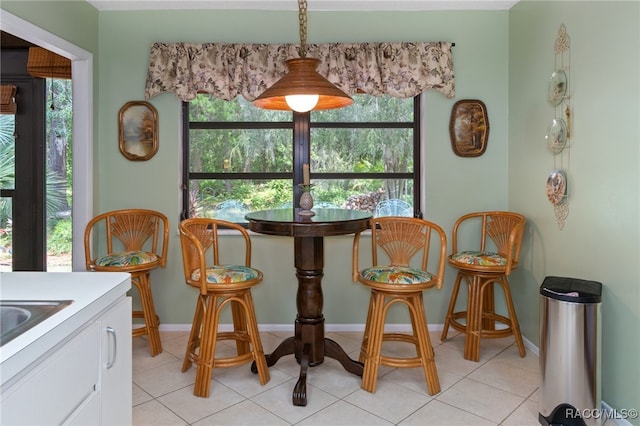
column 239, row 158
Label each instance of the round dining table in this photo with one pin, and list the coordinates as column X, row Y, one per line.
column 308, row 343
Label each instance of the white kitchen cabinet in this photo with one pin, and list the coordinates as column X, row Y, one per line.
column 116, row 365
column 85, row 380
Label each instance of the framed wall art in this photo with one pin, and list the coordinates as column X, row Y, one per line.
column 469, row 128
column 138, row 130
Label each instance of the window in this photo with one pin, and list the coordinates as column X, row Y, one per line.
column 239, row 158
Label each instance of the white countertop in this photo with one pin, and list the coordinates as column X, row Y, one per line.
column 91, row 292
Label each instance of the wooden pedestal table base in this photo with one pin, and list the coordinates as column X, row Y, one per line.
column 308, row 344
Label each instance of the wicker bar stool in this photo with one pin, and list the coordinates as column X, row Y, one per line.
column 220, row 285
column 491, row 262
column 135, row 241
column 401, row 238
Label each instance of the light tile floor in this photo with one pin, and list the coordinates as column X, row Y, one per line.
column 501, row 389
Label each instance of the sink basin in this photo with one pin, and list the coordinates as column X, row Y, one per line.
column 18, row 316
column 12, row 317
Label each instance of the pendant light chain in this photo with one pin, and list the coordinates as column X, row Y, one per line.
column 302, row 17
column 302, row 88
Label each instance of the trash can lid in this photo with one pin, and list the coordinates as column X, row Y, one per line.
column 571, row 290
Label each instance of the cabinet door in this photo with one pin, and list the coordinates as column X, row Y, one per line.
column 87, row 414
column 59, row 386
column 116, row 364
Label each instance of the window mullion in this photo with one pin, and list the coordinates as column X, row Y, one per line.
column 186, row 152
column 301, row 150
column 417, row 156
column 238, row 175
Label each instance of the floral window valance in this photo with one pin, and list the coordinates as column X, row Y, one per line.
column 228, row 70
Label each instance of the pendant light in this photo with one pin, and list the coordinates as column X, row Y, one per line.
column 302, row 89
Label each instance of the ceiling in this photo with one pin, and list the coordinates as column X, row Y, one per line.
column 317, row 5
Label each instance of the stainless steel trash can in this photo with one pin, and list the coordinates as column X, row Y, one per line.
column 570, row 351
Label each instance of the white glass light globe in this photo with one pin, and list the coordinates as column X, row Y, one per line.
column 302, row 103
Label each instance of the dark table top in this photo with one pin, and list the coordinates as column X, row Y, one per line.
column 325, row 222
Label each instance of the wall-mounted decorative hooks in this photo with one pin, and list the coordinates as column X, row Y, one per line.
column 558, row 134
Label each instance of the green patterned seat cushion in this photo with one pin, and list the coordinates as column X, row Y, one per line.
column 479, row 258
column 127, row 258
column 227, row 274
column 396, row 275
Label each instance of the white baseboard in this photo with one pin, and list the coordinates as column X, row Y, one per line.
column 335, row 328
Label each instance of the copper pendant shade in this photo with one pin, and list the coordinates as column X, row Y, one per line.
column 303, row 79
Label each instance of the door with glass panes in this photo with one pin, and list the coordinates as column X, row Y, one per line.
column 35, row 173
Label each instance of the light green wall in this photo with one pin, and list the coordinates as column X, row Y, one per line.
column 481, row 67
column 74, row 21
column 124, row 40
column 600, row 240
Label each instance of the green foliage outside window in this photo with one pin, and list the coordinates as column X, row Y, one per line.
column 58, row 174
column 242, row 157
